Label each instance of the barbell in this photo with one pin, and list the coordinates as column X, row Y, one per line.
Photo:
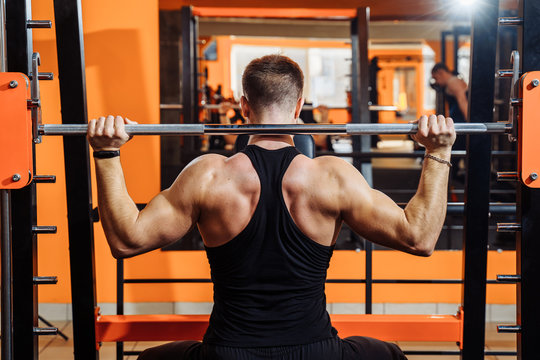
column 272, row 129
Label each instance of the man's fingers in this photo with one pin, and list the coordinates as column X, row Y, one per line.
column 119, row 127
column 91, row 128
column 109, row 126
column 100, row 124
column 130, row 122
column 441, row 123
column 423, row 126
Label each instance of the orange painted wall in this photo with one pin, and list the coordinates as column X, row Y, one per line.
column 122, row 77
column 122, row 69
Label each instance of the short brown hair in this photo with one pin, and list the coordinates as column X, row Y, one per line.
column 272, row 79
column 439, row 66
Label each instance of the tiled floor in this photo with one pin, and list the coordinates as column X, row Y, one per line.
column 56, row 348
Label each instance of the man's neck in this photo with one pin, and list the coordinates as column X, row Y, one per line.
column 271, row 142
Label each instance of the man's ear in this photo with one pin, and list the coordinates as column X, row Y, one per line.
column 244, row 105
column 298, row 108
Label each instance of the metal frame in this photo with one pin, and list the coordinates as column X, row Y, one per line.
column 477, row 187
column 23, row 209
column 528, row 200
column 70, row 49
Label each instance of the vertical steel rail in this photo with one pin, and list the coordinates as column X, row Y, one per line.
column 3, row 49
column 528, row 200
column 361, row 114
column 476, row 215
column 5, row 228
column 7, row 309
column 71, row 69
column 170, row 92
column 119, row 302
column 23, row 201
column 189, row 77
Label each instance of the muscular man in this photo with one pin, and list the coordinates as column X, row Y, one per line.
column 269, row 218
column 455, row 90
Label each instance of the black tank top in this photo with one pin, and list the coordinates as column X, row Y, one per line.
column 269, row 280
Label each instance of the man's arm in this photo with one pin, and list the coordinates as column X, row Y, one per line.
column 458, row 88
column 416, row 228
column 166, row 218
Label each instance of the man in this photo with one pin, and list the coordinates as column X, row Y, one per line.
column 455, row 90
column 269, row 218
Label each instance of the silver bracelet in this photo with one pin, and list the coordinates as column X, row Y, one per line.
column 442, row 161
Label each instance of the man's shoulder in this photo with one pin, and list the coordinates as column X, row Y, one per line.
column 456, row 84
column 324, row 168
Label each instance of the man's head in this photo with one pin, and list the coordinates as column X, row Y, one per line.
column 441, row 74
column 272, row 84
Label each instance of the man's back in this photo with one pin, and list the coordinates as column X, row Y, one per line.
column 268, row 279
column 232, row 189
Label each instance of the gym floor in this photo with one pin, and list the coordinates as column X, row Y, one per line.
column 56, row 348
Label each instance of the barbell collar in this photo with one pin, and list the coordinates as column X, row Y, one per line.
column 202, row 129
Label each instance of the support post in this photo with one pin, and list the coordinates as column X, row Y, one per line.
column 528, row 200
column 71, row 69
column 189, row 79
column 361, row 114
column 476, row 216
column 23, row 201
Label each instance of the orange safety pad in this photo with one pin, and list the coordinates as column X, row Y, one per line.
column 15, row 132
column 192, row 327
column 275, row 13
column 529, row 130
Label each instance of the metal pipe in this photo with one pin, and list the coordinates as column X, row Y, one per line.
column 305, row 107
column 3, row 41
column 38, row 24
column 7, row 279
column 202, row 129
column 510, row 21
column 509, row 329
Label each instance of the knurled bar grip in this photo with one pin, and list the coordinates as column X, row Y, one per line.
column 202, row 129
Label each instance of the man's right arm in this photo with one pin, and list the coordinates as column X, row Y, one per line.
column 378, row 218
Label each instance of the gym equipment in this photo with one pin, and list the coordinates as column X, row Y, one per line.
column 344, row 129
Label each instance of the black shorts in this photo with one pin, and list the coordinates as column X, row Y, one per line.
column 354, row 347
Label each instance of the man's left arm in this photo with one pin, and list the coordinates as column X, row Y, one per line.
column 166, row 218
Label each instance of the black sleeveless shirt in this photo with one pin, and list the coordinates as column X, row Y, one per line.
column 269, row 280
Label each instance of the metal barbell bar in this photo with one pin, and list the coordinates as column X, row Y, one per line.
column 305, row 107
column 204, row 129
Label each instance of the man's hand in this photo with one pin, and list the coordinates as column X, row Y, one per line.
column 108, row 133
column 436, row 133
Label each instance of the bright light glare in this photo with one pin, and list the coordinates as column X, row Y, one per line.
column 467, row 3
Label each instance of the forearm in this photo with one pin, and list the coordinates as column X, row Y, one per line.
column 463, row 107
column 426, row 211
column 118, row 212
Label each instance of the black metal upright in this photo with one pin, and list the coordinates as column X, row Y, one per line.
column 528, row 246
column 70, row 47
column 188, row 65
column 475, row 233
column 361, row 114
column 25, row 312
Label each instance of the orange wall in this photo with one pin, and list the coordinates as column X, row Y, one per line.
column 122, row 77
column 122, row 69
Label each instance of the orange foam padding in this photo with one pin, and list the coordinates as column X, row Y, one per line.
column 193, row 327
column 275, row 13
column 529, row 130
column 15, row 132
